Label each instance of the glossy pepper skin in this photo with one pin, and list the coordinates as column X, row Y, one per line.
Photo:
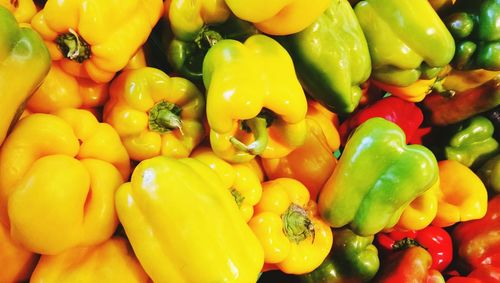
column 66, row 168
column 482, row 274
column 472, row 142
column 279, row 17
column 60, row 90
column 352, row 259
column 155, row 114
column 255, row 103
column 295, row 239
column 21, row 49
column 376, row 165
column 490, row 174
column 95, row 39
column 477, row 241
column 111, row 261
column 477, row 34
column 23, row 10
column 189, row 231
column 415, row 92
column 421, row 211
column 332, row 58
column 407, row 40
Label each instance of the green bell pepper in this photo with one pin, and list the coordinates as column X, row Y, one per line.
column 406, row 38
column 331, row 58
column 490, row 174
column 377, row 176
column 353, row 259
column 477, row 34
column 472, row 142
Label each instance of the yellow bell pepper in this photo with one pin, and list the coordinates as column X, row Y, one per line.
column 240, row 179
column 421, row 211
column 185, row 226
column 279, row 17
column 111, row 261
column 61, row 90
column 137, row 61
column 295, row 239
column 17, row 263
column 59, row 175
column 327, row 120
column 255, row 103
column 23, row 10
column 155, row 114
column 415, row 92
column 462, row 196
column 95, row 39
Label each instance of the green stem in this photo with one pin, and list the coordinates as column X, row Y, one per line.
column 296, row 224
column 207, row 38
column 405, row 243
column 258, row 126
column 238, row 197
column 164, row 117
column 73, row 46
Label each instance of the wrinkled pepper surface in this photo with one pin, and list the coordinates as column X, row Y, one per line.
column 255, row 103
column 490, row 174
column 111, row 261
column 280, row 17
column 407, row 40
column 155, row 114
column 286, row 222
column 332, row 58
column 21, row 49
column 352, row 259
column 377, row 176
column 66, row 168
column 95, row 39
column 23, row 10
column 189, row 230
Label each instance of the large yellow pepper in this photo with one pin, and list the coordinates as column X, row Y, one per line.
column 155, row 114
column 294, row 237
column 255, row 103
column 94, row 38
column 240, row 179
column 184, row 225
column 111, row 261
column 279, row 17
column 23, row 10
column 58, row 176
column 421, row 211
column 61, row 90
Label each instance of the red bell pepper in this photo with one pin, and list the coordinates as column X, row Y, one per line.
column 483, row 274
column 434, row 239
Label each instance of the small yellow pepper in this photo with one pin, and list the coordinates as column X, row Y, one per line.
column 23, row 10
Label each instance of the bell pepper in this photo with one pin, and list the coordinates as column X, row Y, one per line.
column 185, row 226
column 415, row 92
column 155, row 114
column 352, row 259
column 111, row 261
column 21, row 52
column 482, row 274
column 478, row 241
column 412, row 265
column 332, row 58
column 295, row 239
column 377, row 176
column 407, row 40
column 96, row 39
column 23, row 10
column 421, row 211
column 461, row 195
column 137, row 61
column 327, row 120
column 490, row 174
column 240, row 179
column 462, row 80
column 61, row 90
column 477, row 34
column 66, row 168
column 279, row 17
column 440, row 5
column 432, row 238
column 17, row 263
column 255, row 103
column 472, row 142
column 401, row 112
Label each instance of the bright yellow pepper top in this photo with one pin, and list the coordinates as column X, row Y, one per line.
column 23, row 10
column 65, row 168
column 421, row 211
column 94, row 38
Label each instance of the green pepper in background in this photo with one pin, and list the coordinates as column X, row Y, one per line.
column 474, row 25
column 472, row 142
column 353, row 259
column 490, row 174
column 406, row 38
column 331, row 58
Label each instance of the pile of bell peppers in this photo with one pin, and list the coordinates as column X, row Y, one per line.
column 320, row 141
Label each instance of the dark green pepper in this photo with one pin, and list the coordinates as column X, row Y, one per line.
column 490, row 174
column 353, row 259
column 331, row 58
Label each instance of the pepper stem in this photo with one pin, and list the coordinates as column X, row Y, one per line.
column 165, row 117
column 73, row 46
column 258, row 126
column 438, row 86
column 405, row 243
column 207, row 38
column 296, row 224
column 238, row 197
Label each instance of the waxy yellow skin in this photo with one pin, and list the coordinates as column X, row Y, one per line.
column 23, row 10
column 58, row 176
column 185, row 226
column 421, row 211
